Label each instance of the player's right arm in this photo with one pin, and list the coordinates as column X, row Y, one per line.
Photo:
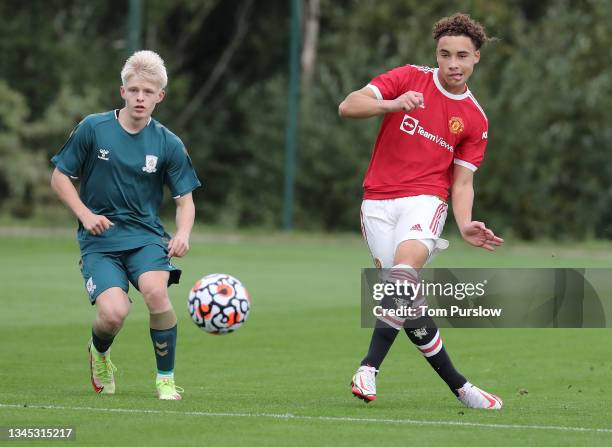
column 364, row 104
column 65, row 190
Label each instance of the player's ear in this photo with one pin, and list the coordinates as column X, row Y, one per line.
column 122, row 91
column 476, row 56
column 162, row 95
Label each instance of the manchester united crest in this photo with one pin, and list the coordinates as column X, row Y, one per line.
column 455, row 125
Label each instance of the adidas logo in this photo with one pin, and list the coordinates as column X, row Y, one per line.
column 416, row 227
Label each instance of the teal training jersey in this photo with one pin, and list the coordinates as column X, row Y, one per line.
column 122, row 176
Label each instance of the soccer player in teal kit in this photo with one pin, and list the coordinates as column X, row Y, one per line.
column 123, row 158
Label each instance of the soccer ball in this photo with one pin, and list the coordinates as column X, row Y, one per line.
column 218, row 304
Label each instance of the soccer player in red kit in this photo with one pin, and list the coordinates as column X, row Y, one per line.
column 432, row 138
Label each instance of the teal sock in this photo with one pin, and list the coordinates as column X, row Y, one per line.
column 164, row 375
column 164, row 345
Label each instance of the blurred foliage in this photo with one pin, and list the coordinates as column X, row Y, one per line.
column 545, row 85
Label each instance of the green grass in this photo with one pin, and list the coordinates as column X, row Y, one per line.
column 295, row 355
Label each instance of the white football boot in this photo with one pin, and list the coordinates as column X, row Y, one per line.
column 473, row 397
column 363, row 384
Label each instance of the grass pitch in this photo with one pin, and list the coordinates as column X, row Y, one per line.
column 283, row 378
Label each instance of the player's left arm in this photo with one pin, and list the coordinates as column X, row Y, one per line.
column 462, row 193
column 185, row 216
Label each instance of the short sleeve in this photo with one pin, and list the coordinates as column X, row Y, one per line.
column 393, row 83
column 470, row 152
column 72, row 156
column 180, row 175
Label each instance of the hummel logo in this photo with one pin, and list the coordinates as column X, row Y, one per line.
column 159, row 347
column 416, row 227
column 103, row 155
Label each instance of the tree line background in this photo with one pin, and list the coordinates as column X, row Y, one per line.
column 545, row 84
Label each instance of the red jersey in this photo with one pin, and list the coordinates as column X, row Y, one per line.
column 415, row 151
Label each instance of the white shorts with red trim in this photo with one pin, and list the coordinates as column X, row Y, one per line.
column 387, row 223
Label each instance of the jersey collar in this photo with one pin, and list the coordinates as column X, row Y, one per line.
column 446, row 92
column 117, row 117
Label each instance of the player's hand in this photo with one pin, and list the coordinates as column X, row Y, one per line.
column 96, row 224
column 407, row 102
column 478, row 235
column 178, row 246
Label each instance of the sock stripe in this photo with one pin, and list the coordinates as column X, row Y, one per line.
column 395, row 323
column 403, row 274
column 433, row 347
column 429, row 344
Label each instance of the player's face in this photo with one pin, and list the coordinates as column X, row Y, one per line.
column 141, row 97
column 456, row 56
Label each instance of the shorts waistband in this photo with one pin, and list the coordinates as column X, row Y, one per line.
column 441, row 198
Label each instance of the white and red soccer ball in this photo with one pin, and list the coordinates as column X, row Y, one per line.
column 218, row 304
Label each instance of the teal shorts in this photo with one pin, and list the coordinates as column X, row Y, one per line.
column 101, row 271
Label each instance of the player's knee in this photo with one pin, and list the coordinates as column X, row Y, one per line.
column 157, row 299
column 413, row 252
column 112, row 319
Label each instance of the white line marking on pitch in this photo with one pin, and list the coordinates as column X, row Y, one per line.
column 289, row 416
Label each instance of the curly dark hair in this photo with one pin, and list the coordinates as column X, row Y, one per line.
column 460, row 24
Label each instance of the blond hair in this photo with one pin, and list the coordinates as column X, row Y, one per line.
column 146, row 64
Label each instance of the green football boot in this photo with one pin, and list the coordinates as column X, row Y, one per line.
column 102, row 371
column 167, row 390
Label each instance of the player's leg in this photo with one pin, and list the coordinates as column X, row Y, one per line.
column 162, row 318
column 377, row 223
column 152, row 273
column 411, row 255
column 424, row 334
column 112, row 307
column 379, row 227
column 106, row 283
column 163, row 330
column 416, row 243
